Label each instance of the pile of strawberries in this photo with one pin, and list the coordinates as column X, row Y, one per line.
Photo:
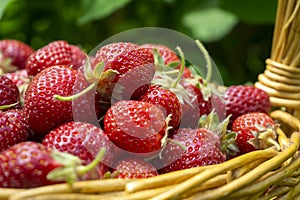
column 130, row 111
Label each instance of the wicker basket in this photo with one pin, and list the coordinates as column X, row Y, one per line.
column 265, row 174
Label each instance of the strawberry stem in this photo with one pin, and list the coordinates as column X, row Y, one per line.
column 75, row 96
column 208, row 62
column 174, row 85
column 81, row 170
column 8, row 106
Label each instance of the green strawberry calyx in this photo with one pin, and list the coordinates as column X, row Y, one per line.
column 212, row 123
column 99, row 79
column 71, row 166
column 169, row 78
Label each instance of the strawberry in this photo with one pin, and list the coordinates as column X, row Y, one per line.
column 13, row 129
column 30, row 164
column 78, row 56
column 133, row 67
column 109, row 52
column 168, row 55
column 134, row 168
column 135, row 126
column 166, row 100
column 20, row 115
column 45, row 111
column 26, row 165
column 9, row 94
column 19, row 77
column 13, row 55
column 197, row 106
column 82, row 140
column 201, row 147
column 55, row 53
column 254, row 131
column 242, row 99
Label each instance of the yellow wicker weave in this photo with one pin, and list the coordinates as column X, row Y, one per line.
column 265, row 174
column 281, row 76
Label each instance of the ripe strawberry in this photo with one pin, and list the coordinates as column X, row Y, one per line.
column 82, row 140
column 13, row 129
column 30, row 164
column 45, row 112
column 13, row 55
column 242, row 99
column 135, row 168
column 55, row 53
column 166, row 100
column 19, row 77
column 26, row 165
column 78, row 56
column 165, row 52
column 202, row 147
column 198, row 106
column 135, row 126
column 110, row 52
column 133, row 67
column 9, row 93
column 254, row 131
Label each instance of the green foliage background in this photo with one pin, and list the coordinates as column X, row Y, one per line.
column 238, row 34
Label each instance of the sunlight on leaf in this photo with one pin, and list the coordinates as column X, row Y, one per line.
column 98, row 9
column 210, row 24
column 3, row 4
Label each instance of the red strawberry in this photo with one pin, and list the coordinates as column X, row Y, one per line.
column 26, row 165
column 165, row 52
column 9, row 93
column 78, row 56
column 198, row 106
column 31, row 164
column 254, row 131
column 202, row 147
column 19, row 77
column 135, row 126
column 166, row 101
column 13, row 130
column 55, row 53
column 109, row 52
column 44, row 112
column 13, row 55
column 242, row 99
column 135, row 168
column 134, row 69
column 82, row 140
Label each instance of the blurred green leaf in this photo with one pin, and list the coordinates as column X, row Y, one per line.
column 3, row 4
column 98, row 9
column 210, row 24
column 252, row 11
